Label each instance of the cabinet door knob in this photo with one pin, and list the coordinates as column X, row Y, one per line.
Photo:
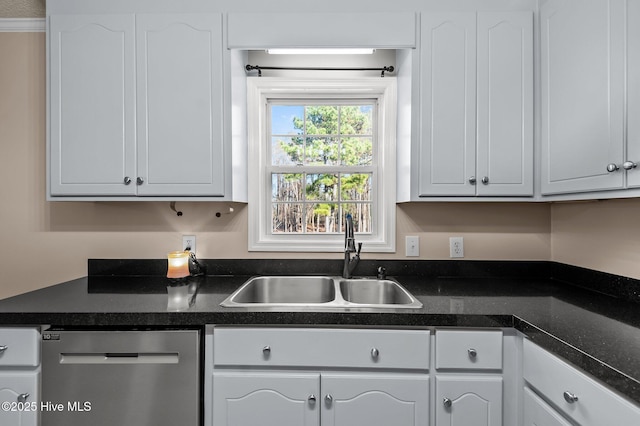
column 328, row 399
column 127, row 180
column 472, row 180
column 472, row 353
column 23, row 397
column 446, row 402
column 485, row 180
column 312, row 399
column 612, row 167
column 375, row 353
column 570, row 397
column 266, row 350
column 3, row 348
column 139, row 180
column 628, row 165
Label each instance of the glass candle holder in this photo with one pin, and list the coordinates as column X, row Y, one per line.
column 178, row 264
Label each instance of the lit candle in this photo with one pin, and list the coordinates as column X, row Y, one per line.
column 178, row 262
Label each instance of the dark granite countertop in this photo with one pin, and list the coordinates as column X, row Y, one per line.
column 575, row 319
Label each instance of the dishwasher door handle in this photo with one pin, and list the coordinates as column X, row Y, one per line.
column 120, row 358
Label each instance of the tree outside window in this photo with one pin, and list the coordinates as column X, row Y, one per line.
column 322, row 159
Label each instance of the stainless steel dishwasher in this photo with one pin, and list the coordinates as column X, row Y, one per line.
column 124, row 378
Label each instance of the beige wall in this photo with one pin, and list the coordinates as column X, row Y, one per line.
column 602, row 235
column 22, row 8
column 45, row 243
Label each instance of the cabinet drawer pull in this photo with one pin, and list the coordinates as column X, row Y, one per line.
column 472, row 353
column 23, row 397
column 447, row 402
column 3, row 348
column 570, row 397
column 612, row 167
column 375, row 353
column 266, row 351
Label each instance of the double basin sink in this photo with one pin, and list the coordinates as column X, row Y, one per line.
column 321, row 292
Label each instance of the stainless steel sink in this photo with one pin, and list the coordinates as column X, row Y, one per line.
column 321, row 292
column 285, row 290
column 375, row 292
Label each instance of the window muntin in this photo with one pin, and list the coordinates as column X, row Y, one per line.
column 322, row 165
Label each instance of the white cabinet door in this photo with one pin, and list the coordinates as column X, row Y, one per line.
column 92, row 117
column 20, row 391
column 468, row 400
column 539, row 413
column 505, row 104
column 491, row 154
column 582, row 83
column 179, row 101
column 266, row 399
column 447, row 150
column 633, row 92
column 375, row 400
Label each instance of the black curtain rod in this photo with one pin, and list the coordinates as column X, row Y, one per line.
column 260, row 68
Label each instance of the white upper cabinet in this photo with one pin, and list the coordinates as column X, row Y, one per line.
column 505, row 104
column 321, row 29
column 476, row 106
column 582, row 95
column 447, row 146
column 136, row 106
column 92, row 115
column 633, row 93
column 179, row 67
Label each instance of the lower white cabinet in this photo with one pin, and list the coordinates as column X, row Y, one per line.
column 469, row 381
column 539, row 413
column 375, row 399
column 19, row 376
column 577, row 396
column 266, row 399
column 276, row 399
column 345, row 377
column 469, row 400
column 19, row 398
column 328, row 377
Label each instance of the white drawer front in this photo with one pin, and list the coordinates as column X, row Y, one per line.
column 538, row 412
column 19, row 346
column 596, row 405
column 462, row 349
column 407, row 349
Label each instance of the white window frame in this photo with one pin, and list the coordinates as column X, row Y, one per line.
column 259, row 91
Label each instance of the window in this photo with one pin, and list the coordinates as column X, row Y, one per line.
column 319, row 150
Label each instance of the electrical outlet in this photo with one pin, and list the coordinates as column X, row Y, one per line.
column 412, row 246
column 456, row 247
column 189, row 242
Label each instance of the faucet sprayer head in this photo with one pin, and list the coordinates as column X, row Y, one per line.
column 349, row 240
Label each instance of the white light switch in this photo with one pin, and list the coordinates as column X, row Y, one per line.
column 412, row 246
